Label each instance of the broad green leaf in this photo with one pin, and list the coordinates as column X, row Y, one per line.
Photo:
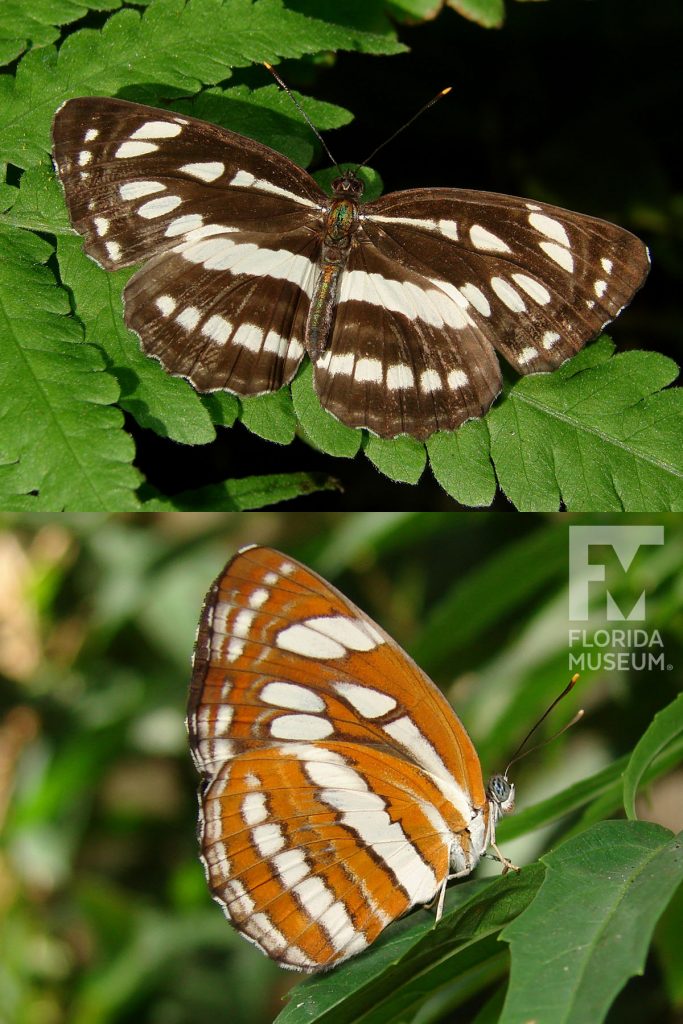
column 667, row 943
column 666, row 726
column 248, row 493
column 36, row 24
column 593, row 436
column 402, row 458
column 413, row 11
column 320, row 428
column 588, row 930
column 38, row 203
column 489, row 13
column 270, row 416
column 222, row 407
column 158, row 401
column 461, row 464
column 269, row 116
column 63, row 445
column 414, row 956
column 173, row 47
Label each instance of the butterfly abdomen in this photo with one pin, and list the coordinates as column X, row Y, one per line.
column 340, row 227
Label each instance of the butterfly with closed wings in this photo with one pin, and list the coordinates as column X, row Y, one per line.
column 339, row 788
column 399, row 303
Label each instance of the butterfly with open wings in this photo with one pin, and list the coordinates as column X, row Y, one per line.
column 339, row 788
column 399, row 303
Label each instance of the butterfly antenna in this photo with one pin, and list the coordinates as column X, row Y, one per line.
column 303, row 113
column 518, row 755
column 435, row 99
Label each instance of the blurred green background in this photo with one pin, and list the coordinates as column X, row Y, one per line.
column 104, row 913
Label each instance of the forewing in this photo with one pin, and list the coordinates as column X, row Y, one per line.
column 335, row 773
column 229, row 229
column 405, row 356
column 539, row 281
column 137, row 179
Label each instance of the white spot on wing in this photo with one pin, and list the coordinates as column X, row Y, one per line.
column 449, row 228
column 400, row 377
column 550, row 338
column 457, row 379
column 157, row 130
column 299, row 639
column 254, row 809
column 534, row 289
column 549, row 227
column 606, row 265
column 368, row 702
column 166, row 304
column 258, row 598
column 181, row 225
column 486, row 240
column 291, row 866
column 101, row 225
column 128, row 150
column 600, row 287
column 477, row 298
column 138, row 189
column 342, row 363
column 268, row 839
column 352, row 633
column 339, row 927
column 158, row 207
column 430, row 381
column 189, row 318
column 242, row 623
column 300, row 727
column 368, row 370
column 559, row 255
column 527, row 355
column 217, row 329
column 249, row 336
column 507, row 295
column 84, row 157
column 439, row 305
column 314, row 895
column 113, row 250
column 244, row 179
column 208, row 171
column 91, row 135
column 289, row 695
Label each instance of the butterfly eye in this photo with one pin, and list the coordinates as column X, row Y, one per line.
column 501, row 792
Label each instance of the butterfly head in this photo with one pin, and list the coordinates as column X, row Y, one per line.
column 501, row 795
column 348, row 184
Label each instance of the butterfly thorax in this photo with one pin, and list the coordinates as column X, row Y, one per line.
column 341, row 222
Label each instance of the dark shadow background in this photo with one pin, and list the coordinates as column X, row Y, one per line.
column 573, row 104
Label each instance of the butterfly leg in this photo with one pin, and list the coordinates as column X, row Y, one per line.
column 507, row 864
